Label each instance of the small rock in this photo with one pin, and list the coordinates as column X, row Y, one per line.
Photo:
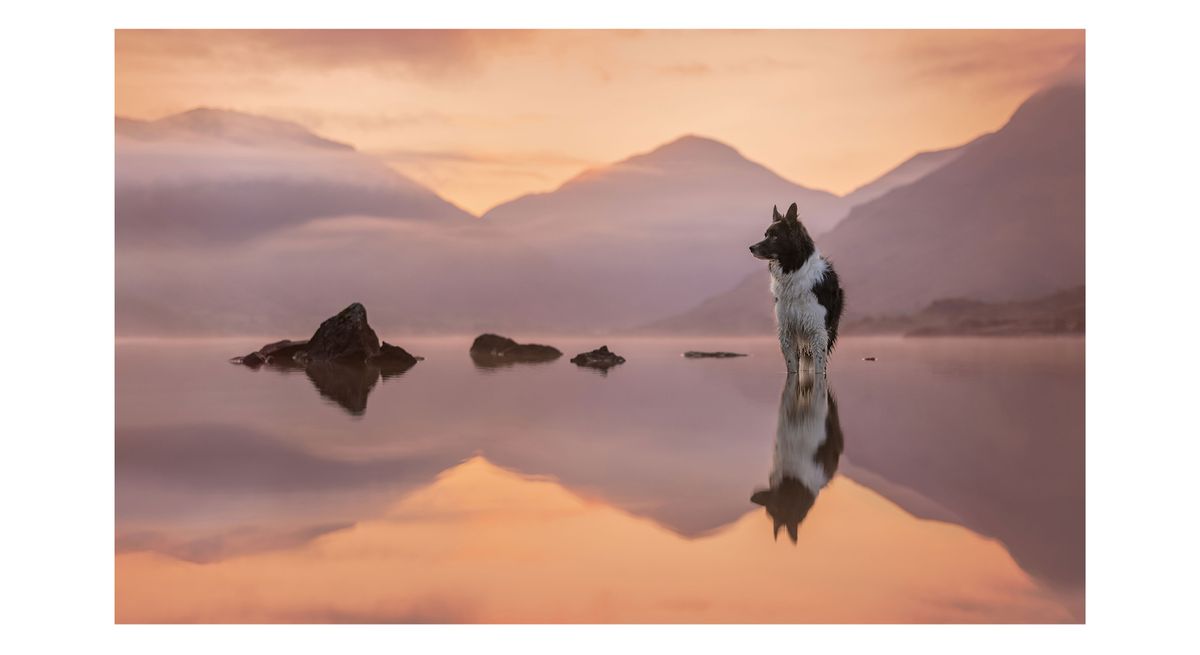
column 601, row 358
column 389, row 354
column 282, row 353
column 492, row 350
column 868, row 359
column 253, row 360
column 698, row 354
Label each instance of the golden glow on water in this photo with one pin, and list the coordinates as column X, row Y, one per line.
column 483, row 544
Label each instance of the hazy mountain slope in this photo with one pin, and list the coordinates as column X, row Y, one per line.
column 1003, row 221
column 215, row 176
column 909, row 171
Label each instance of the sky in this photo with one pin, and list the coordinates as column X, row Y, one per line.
column 485, row 116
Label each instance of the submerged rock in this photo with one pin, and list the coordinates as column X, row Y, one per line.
column 492, row 350
column 601, row 358
column 345, row 337
column 719, row 354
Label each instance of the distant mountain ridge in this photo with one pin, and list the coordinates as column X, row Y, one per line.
column 224, row 125
column 678, row 177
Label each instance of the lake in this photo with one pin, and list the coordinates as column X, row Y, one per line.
column 548, row 493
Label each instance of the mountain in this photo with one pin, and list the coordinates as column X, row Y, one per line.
column 1063, row 312
column 210, row 175
column 692, row 182
column 1003, row 221
column 909, row 171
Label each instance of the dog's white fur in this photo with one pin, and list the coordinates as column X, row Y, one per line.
column 800, row 432
column 799, row 316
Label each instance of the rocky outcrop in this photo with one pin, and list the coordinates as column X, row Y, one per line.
column 344, row 337
column 493, row 350
column 720, row 354
column 601, row 358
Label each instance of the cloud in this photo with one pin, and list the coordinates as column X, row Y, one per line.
column 1001, row 59
column 424, row 52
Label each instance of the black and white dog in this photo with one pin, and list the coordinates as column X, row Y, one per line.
column 808, row 299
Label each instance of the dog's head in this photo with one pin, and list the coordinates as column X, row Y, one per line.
column 785, row 241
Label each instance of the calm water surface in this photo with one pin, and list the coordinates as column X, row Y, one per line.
column 943, row 482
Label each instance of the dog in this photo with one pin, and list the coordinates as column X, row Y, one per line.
column 808, row 445
column 808, row 298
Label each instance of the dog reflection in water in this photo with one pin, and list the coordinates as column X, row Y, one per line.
column 808, row 444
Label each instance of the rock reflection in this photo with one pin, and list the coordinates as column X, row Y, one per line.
column 808, row 445
column 346, row 384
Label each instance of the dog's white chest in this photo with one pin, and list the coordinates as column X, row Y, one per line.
column 796, row 305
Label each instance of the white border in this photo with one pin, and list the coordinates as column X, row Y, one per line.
column 58, row 327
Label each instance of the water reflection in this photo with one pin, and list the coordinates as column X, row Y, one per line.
column 808, row 444
column 346, row 384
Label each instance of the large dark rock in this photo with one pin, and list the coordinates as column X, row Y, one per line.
column 493, row 350
column 345, row 337
column 601, row 358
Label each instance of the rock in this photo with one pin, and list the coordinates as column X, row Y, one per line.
column 698, row 354
column 393, row 361
column 601, row 358
column 492, row 350
column 390, row 354
column 283, row 352
column 253, row 360
column 345, row 337
column 868, row 359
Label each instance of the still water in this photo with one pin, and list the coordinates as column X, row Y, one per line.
column 942, row 482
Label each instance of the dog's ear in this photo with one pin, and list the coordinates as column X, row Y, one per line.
column 793, row 213
column 775, row 217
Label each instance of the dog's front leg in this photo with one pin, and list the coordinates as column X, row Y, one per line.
column 791, row 351
column 819, row 346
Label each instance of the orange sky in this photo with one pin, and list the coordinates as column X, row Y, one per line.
column 485, row 116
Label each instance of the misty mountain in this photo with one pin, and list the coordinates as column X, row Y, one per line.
column 209, row 175
column 909, row 171
column 691, row 183
column 1002, row 221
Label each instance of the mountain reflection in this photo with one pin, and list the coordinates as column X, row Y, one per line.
column 808, row 444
